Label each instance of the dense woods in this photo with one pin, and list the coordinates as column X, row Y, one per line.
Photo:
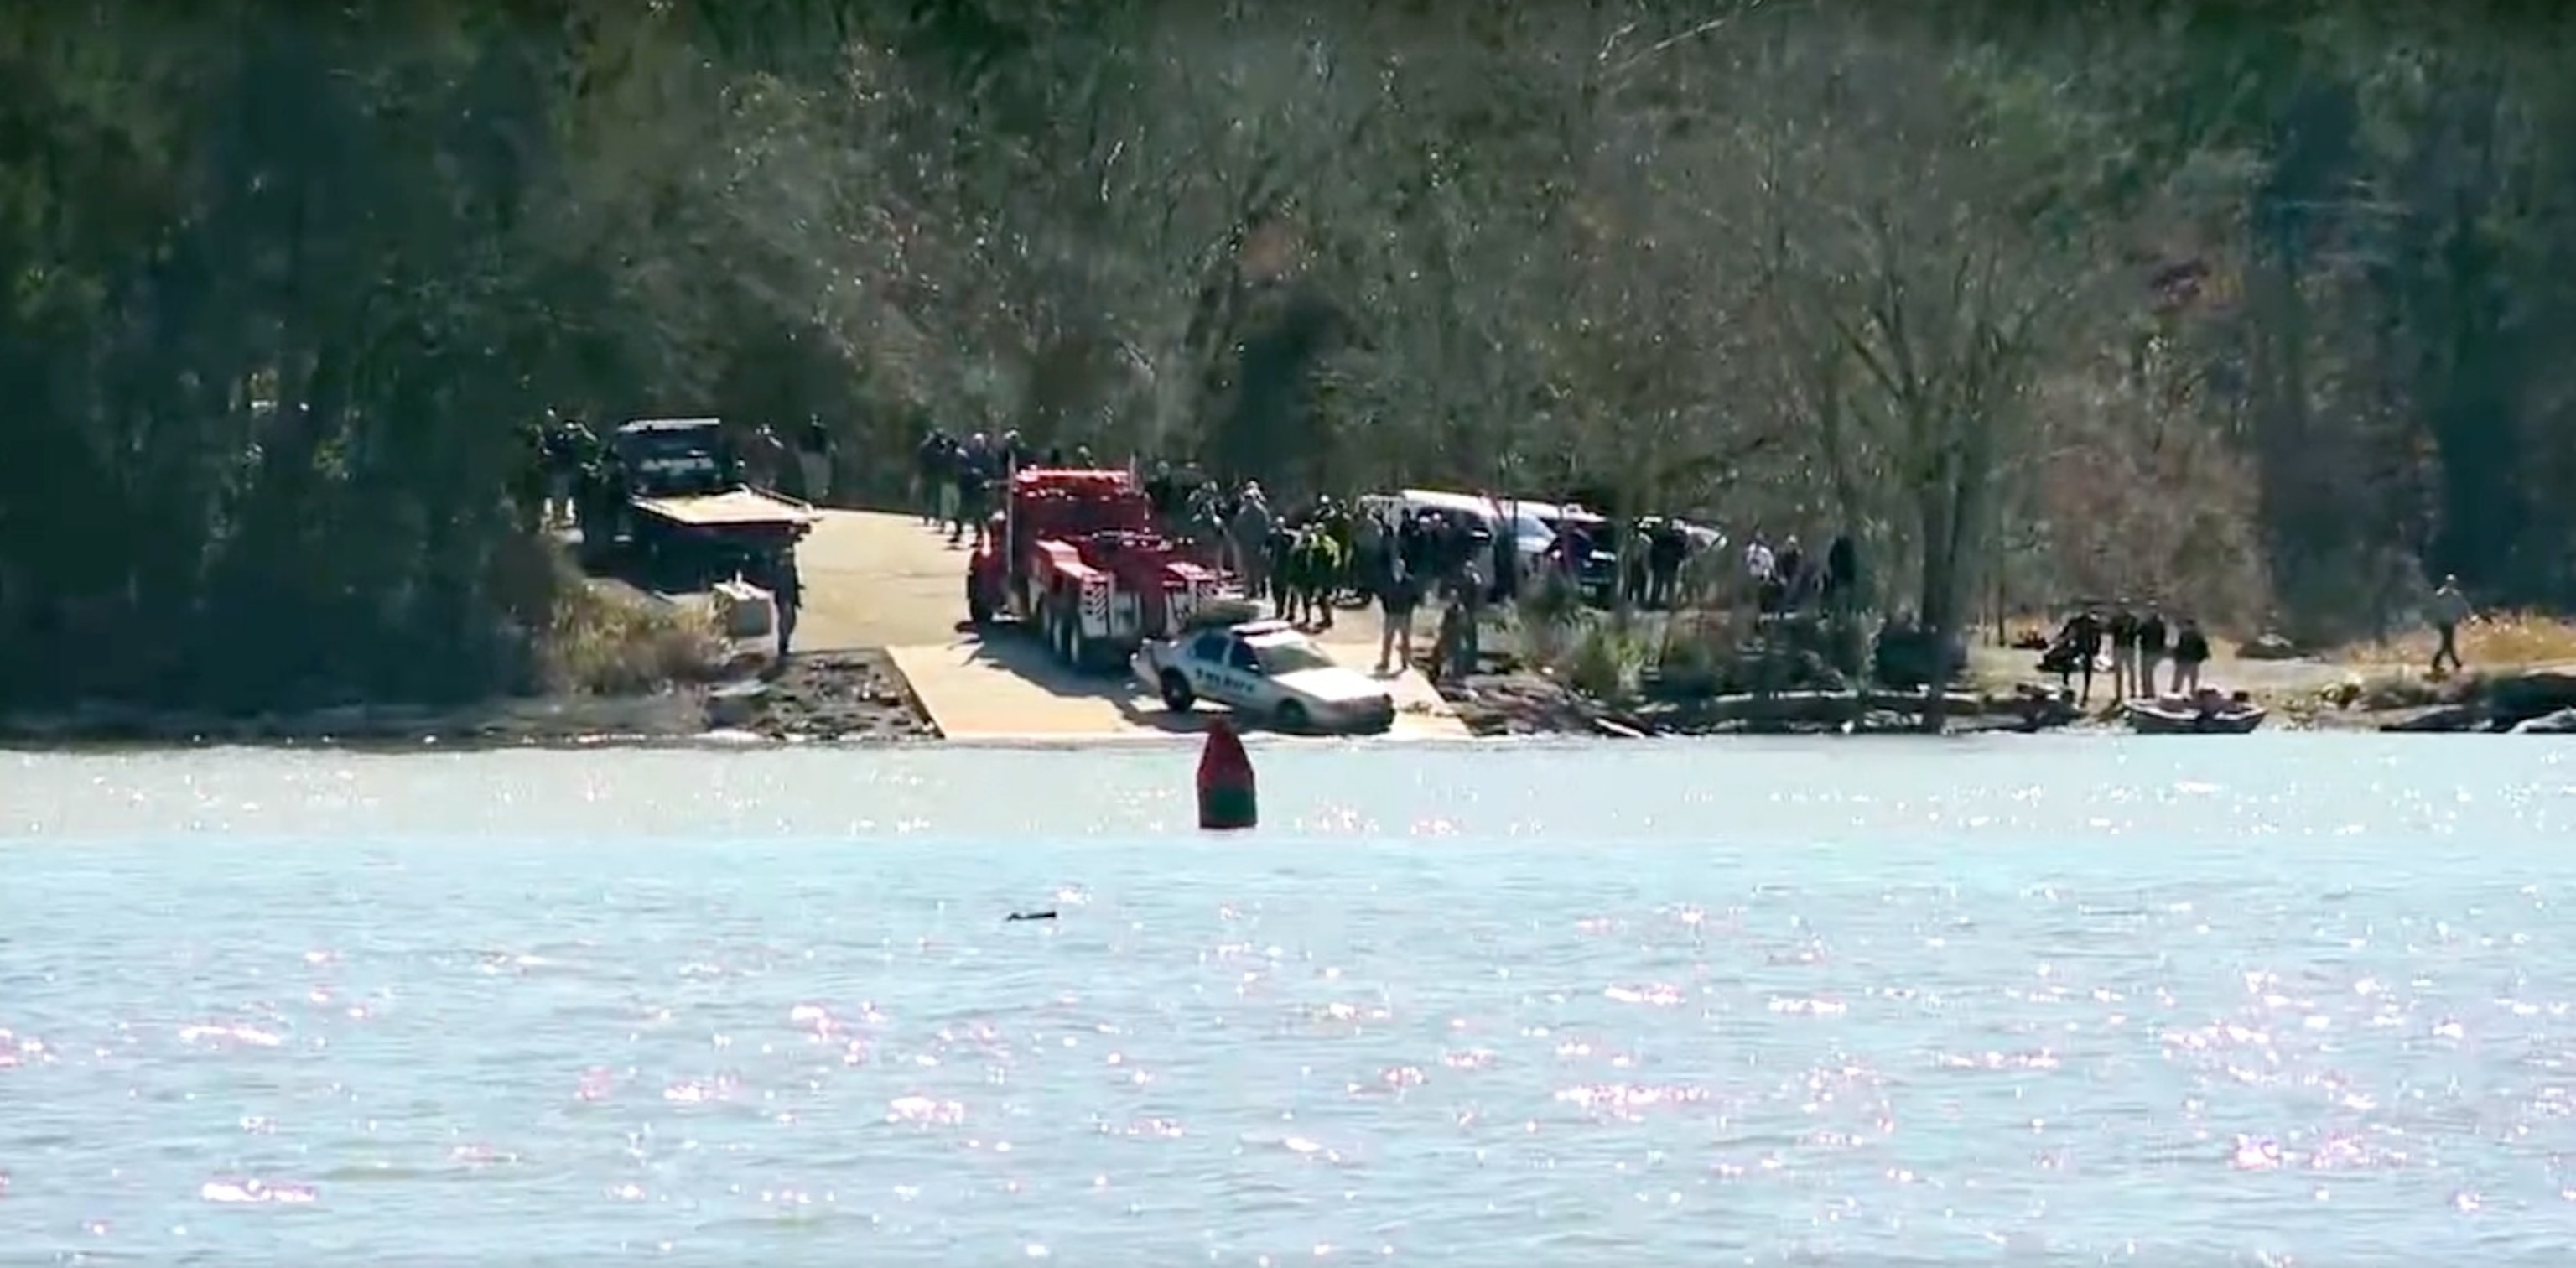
column 2269, row 310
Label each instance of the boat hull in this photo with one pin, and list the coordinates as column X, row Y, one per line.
column 2158, row 720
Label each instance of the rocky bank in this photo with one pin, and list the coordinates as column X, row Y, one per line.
column 2535, row 701
column 824, row 696
column 1524, row 702
column 849, row 696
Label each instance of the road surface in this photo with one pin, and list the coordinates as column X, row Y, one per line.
column 875, row 580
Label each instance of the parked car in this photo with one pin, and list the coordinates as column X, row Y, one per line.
column 1536, row 528
column 1269, row 671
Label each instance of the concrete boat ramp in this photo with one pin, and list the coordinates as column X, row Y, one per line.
column 1009, row 689
column 876, row 580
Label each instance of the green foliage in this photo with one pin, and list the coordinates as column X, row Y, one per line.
column 1551, row 597
column 1696, row 659
column 1604, row 660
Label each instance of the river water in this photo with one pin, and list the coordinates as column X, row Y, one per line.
column 2022, row 1000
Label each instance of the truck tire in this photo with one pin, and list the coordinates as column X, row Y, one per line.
column 1077, row 646
column 979, row 609
column 646, row 553
column 1177, row 695
column 1059, row 633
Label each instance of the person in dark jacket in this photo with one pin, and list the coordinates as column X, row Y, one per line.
column 568, row 447
column 791, row 598
column 1667, row 546
column 775, row 571
column 2190, row 652
column 1842, row 572
column 2078, row 646
column 814, row 461
column 1634, row 586
column 1164, row 491
column 2123, row 631
column 2451, row 610
column 1400, row 592
column 934, row 485
column 1789, row 564
column 2151, row 649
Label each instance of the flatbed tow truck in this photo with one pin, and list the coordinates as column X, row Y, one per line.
column 667, row 500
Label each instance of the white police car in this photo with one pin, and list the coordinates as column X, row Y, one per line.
column 1268, row 670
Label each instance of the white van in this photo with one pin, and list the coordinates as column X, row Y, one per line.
column 1389, row 505
column 1475, row 509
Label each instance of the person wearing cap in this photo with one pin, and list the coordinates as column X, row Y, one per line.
column 2451, row 610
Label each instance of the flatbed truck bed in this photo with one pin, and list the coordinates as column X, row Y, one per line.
column 733, row 508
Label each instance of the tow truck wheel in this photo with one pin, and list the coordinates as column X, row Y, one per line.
column 1177, row 695
column 1291, row 717
column 1077, row 649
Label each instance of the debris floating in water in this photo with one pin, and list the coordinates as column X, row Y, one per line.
column 1028, row 915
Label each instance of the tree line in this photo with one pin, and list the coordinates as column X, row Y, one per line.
column 2268, row 312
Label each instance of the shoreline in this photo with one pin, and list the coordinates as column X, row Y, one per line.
column 860, row 699
column 839, row 697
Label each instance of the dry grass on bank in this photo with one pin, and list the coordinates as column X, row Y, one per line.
column 605, row 639
column 2501, row 640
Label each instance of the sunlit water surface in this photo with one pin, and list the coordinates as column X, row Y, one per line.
column 2031, row 1001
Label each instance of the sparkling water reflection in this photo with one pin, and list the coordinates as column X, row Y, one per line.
column 2029, row 1002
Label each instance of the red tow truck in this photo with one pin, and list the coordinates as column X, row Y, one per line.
column 1074, row 556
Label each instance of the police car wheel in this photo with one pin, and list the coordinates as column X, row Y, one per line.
column 1177, row 695
column 1291, row 716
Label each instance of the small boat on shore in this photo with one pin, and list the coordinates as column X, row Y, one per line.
column 2206, row 714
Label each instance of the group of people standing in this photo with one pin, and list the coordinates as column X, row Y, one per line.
column 1314, row 558
column 801, row 463
column 1407, row 557
column 1653, row 574
column 1311, row 559
column 1789, row 579
column 2140, row 641
column 955, row 479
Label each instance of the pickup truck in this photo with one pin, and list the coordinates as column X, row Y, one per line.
column 1269, row 671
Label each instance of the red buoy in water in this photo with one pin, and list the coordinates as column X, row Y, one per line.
column 1227, row 798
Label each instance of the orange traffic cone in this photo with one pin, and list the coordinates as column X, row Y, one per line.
column 1227, row 798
